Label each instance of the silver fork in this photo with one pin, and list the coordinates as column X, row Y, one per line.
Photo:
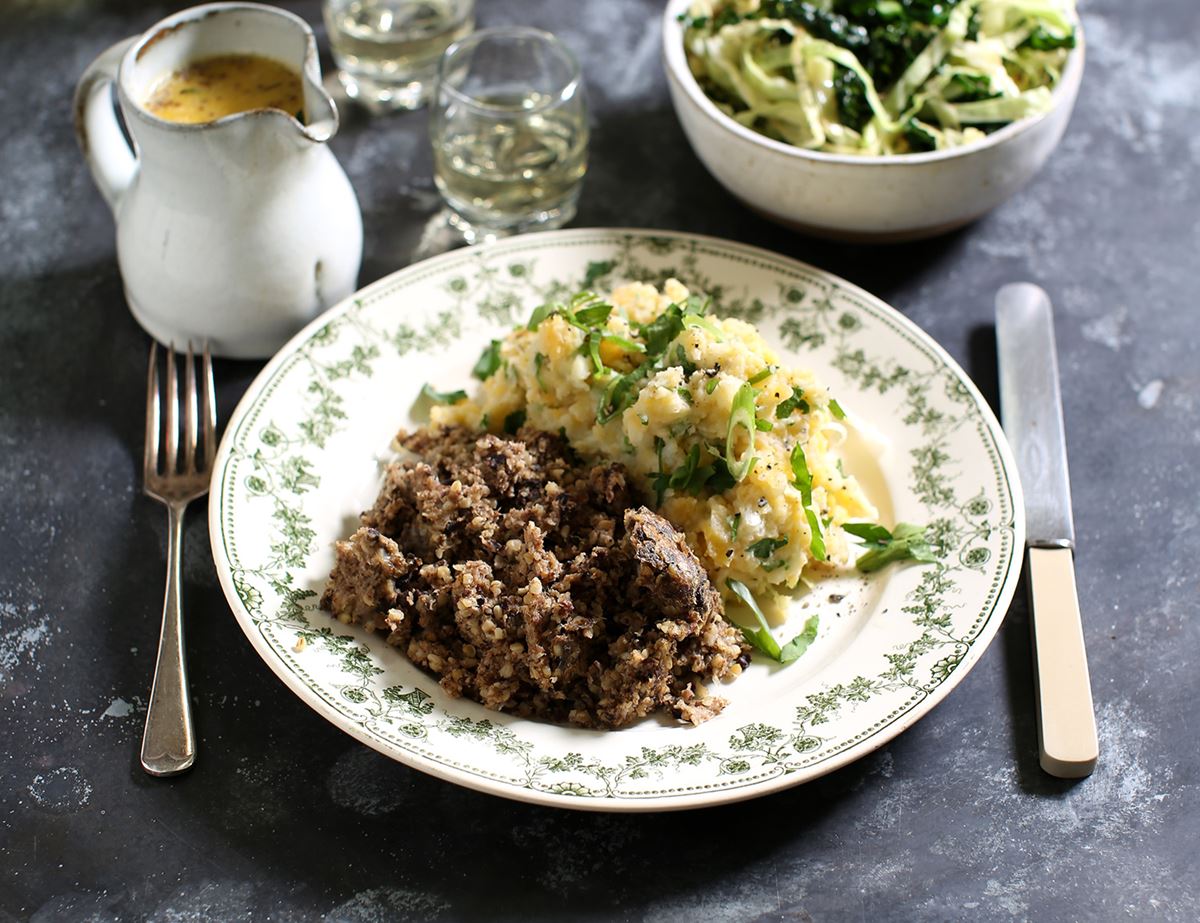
column 175, row 479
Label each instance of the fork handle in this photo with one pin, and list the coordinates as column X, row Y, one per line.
column 169, row 744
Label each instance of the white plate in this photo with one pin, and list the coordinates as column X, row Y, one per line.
column 303, row 454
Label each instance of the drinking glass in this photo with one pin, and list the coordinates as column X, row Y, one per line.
column 509, row 130
column 387, row 51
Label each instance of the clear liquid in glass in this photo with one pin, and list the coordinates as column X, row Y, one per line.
column 507, row 171
column 387, row 51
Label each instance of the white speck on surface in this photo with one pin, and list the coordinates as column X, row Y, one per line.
column 386, row 904
column 367, row 783
column 118, row 709
column 19, row 642
column 1008, row 896
column 1149, row 393
column 62, row 790
column 227, row 901
column 1108, row 330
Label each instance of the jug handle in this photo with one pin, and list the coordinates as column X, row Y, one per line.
column 106, row 149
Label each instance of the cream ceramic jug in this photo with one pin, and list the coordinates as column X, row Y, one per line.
column 236, row 231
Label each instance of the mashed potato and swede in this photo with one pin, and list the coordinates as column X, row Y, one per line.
column 738, row 451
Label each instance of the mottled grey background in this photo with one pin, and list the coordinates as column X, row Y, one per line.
column 286, row 818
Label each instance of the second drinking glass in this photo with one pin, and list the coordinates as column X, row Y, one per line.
column 509, row 131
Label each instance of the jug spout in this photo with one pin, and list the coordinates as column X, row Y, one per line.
column 320, row 112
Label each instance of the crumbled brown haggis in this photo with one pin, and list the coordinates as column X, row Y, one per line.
column 533, row 583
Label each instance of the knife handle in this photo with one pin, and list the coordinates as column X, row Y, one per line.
column 1066, row 721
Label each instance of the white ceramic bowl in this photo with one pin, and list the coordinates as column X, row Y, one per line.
column 897, row 197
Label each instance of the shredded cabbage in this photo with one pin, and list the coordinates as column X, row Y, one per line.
column 879, row 76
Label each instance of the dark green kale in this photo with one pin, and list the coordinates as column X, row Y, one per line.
column 817, row 22
column 851, row 93
column 918, row 138
column 969, row 88
column 1040, row 39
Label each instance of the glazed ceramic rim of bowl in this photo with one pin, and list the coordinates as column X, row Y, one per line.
column 678, row 71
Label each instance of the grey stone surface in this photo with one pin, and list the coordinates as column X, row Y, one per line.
column 286, row 818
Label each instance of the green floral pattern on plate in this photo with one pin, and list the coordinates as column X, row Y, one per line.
column 293, row 470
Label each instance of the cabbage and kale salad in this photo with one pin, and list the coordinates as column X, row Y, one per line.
column 879, row 76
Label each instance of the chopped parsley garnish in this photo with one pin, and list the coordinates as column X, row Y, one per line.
column 514, row 421
column 442, row 397
column 683, row 361
column 657, row 336
column 907, row 542
column 662, row 478
column 488, row 362
column 791, row 404
column 594, row 315
column 585, row 311
column 721, row 479
column 817, row 542
column 765, row 547
column 540, row 313
column 620, row 394
column 803, row 483
column 591, row 348
column 799, row 644
column 803, row 478
column 761, row 637
column 686, row 393
column 682, row 476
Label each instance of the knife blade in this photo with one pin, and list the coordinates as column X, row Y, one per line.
column 1031, row 413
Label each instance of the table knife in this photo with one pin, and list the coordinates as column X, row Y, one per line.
column 1031, row 411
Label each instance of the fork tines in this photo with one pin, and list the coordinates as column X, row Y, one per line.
column 170, row 462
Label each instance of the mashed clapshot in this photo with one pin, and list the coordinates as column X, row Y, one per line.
column 736, row 450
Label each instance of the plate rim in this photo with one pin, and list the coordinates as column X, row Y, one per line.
column 616, row 804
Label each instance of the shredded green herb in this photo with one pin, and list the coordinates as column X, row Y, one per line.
column 760, row 636
column 595, row 315
column 539, row 360
column 836, row 409
column 442, row 397
column 765, row 547
column 662, row 478
column 799, row 644
column 817, row 542
column 907, row 542
column 514, row 421
column 803, row 478
column 790, row 405
column 488, row 362
column 734, row 522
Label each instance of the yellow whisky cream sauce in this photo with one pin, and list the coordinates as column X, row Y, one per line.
column 212, row 88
